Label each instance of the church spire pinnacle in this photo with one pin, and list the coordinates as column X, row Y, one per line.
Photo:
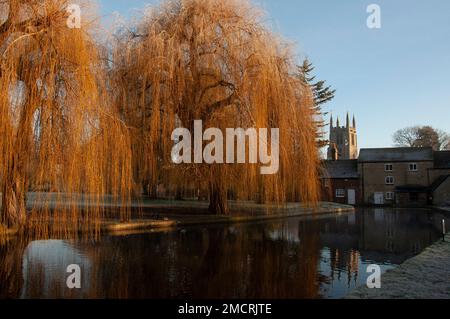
column 343, row 140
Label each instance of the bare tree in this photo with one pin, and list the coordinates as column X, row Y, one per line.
column 406, row 137
column 421, row 136
column 447, row 147
column 444, row 140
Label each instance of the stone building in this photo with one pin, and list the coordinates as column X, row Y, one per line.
column 403, row 176
column 343, row 140
column 341, row 182
column 396, row 176
column 440, row 175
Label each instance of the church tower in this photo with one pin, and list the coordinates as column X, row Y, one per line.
column 343, row 140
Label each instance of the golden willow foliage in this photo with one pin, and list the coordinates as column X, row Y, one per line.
column 214, row 60
column 74, row 136
column 60, row 138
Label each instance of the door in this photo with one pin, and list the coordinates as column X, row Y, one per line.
column 351, row 197
column 379, row 198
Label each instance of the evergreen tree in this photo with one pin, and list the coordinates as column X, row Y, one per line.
column 322, row 94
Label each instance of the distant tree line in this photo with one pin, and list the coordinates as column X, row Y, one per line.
column 422, row 136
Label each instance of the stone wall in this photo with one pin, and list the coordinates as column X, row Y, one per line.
column 441, row 195
column 374, row 177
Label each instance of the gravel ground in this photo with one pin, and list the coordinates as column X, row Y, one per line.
column 426, row 276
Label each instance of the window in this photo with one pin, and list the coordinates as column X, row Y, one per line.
column 389, row 196
column 340, row 193
column 326, row 182
column 413, row 197
column 413, row 167
column 389, row 180
column 388, row 167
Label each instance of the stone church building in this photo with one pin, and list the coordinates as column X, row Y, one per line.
column 400, row 176
column 343, row 140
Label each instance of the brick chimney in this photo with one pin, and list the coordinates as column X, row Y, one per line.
column 334, row 152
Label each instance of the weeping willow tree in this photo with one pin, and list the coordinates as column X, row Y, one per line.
column 60, row 138
column 214, row 61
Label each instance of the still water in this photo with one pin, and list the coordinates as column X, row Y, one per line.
column 323, row 257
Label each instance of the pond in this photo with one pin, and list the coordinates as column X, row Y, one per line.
column 320, row 257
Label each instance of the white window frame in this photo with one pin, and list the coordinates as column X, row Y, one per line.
column 389, row 196
column 390, row 178
column 388, row 165
column 340, row 193
column 415, row 167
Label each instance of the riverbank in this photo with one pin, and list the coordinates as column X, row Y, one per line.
column 151, row 215
column 189, row 213
column 426, row 276
column 173, row 215
column 443, row 208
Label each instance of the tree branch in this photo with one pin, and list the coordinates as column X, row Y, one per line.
column 217, row 84
column 218, row 105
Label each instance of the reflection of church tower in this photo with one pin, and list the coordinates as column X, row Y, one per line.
column 343, row 140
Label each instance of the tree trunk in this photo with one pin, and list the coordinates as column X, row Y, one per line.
column 218, row 198
column 262, row 199
column 150, row 190
column 13, row 213
column 11, row 257
column 153, row 192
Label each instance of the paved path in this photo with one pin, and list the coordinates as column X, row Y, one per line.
column 426, row 276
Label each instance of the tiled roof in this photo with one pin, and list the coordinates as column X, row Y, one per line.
column 438, row 182
column 340, row 169
column 401, row 154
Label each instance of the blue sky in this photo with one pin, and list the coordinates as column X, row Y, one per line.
column 390, row 78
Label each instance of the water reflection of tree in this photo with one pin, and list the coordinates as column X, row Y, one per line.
column 277, row 260
column 254, row 264
column 11, row 279
column 252, row 261
column 225, row 262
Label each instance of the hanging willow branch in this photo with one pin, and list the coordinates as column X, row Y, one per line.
column 62, row 145
column 214, row 61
